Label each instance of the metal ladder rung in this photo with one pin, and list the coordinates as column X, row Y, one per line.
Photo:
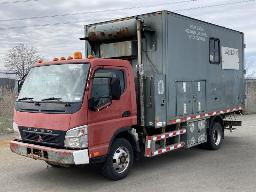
column 168, row 148
column 168, row 134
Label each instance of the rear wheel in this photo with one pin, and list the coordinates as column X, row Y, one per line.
column 214, row 138
column 119, row 160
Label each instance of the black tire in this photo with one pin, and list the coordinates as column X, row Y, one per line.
column 122, row 150
column 215, row 136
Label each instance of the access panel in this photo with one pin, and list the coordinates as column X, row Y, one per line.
column 196, row 133
column 199, row 94
column 184, row 98
column 190, row 97
column 155, row 101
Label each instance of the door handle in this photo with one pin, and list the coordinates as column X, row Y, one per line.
column 126, row 114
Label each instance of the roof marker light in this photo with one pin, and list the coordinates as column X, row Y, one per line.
column 40, row 61
column 78, row 55
column 90, row 57
column 69, row 58
column 55, row 59
column 62, row 58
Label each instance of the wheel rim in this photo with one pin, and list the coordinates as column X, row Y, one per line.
column 121, row 159
column 216, row 137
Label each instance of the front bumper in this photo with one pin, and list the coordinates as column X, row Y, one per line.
column 59, row 156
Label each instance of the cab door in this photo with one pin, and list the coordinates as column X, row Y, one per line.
column 112, row 114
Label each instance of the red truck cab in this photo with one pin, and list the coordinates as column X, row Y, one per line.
column 71, row 111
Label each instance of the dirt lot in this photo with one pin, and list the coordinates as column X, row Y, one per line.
column 232, row 168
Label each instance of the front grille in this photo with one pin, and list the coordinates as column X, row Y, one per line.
column 45, row 137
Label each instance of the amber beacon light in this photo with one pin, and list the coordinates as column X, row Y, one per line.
column 78, row 55
column 90, row 57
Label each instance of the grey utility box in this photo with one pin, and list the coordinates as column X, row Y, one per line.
column 190, row 66
column 196, row 133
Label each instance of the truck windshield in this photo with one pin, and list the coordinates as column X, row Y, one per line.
column 63, row 83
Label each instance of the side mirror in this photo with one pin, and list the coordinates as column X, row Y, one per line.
column 91, row 104
column 101, row 94
column 115, row 89
column 20, row 83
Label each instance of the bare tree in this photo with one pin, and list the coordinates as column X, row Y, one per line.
column 20, row 59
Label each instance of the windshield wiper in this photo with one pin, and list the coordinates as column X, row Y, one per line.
column 58, row 99
column 52, row 99
column 26, row 98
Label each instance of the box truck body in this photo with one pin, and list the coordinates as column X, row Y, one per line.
column 189, row 66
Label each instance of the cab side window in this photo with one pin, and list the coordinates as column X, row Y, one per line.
column 103, row 82
column 110, row 73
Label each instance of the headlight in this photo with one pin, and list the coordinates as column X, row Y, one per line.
column 16, row 130
column 77, row 137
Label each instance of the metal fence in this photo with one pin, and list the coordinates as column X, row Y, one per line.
column 6, row 110
column 250, row 91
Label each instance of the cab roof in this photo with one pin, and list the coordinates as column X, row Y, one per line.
column 94, row 62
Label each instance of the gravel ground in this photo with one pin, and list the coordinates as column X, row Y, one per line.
column 232, row 168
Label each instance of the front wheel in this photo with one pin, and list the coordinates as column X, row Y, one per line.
column 119, row 160
column 215, row 136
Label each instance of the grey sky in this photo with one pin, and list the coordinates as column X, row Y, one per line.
column 58, row 39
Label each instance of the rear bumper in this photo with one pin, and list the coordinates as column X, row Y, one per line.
column 60, row 156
